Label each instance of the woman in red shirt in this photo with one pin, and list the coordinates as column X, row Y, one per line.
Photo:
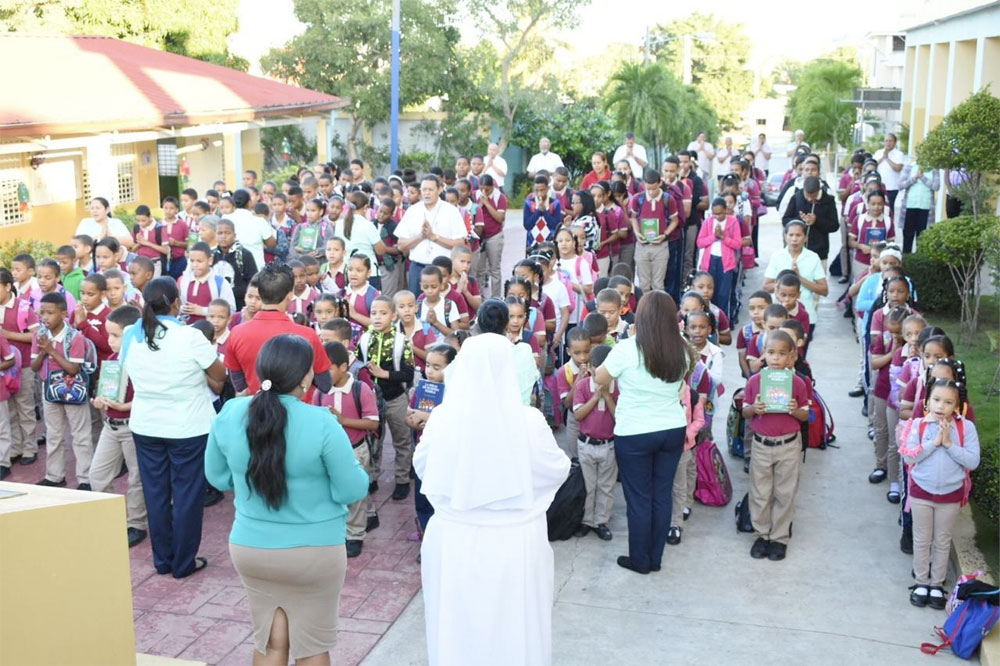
column 601, row 171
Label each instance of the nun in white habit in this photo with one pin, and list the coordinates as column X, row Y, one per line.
column 490, row 472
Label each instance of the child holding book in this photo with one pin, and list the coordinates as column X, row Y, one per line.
column 115, row 445
column 868, row 229
column 775, row 413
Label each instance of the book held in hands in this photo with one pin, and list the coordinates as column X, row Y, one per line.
column 427, row 395
column 113, row 381
column 650, row 228
column 776, row 389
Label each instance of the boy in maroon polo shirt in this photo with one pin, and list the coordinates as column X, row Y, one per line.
column 787, row 292
column 594, row 409
column 489, row 221
column 578, row 346
column 655, row 223
column 777, row 443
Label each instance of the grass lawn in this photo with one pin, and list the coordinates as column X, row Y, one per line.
column 981, row 365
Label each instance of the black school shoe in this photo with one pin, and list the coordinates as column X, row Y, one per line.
column 625, row 562
column 373, row 487
column 856, row 392
column 674, row 536
column 919, row 594
column 84, row 486
column 372, row 523
column 211, row 497
column 936, row 598
column 4, row 473
column 776, row 551
column 759, row 549
column 135, row 536
column 401, row 492
column 582, row 530
column 686, row 513
column 906, row 541
column 52, row 484
column 27, row 460
column 877, row 476
column 603, row 532
column 353, row 547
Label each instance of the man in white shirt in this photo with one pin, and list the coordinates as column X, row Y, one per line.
column 890, row 163
column 495, row 165
column 800, row 139
column 705, row 152
column 634, row 153
column 543, row 159
column 429, row 229
column 762, row 154
column 254, row 233
column 725, row 159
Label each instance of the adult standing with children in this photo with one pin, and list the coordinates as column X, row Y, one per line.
column 171, row 366
column 429, row 229
column 101, row 225
column 293, row 473
column 650, row 424
column 487, row 567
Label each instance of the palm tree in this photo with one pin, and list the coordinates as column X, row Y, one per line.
column 639, row 98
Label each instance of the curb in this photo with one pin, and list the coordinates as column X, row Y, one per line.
column 966, row 558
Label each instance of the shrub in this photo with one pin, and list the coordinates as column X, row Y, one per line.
column 36, row 248
column 986, row 480
column 935, row 293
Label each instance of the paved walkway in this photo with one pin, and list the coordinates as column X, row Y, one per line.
column 840, row 597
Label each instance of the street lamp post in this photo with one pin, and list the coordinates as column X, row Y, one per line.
column 687, row 44
column 394, row 84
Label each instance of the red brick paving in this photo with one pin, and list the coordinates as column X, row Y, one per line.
column 205, row 617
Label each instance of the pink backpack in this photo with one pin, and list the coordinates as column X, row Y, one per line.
column 11, row 377
column 713, row 487
column 568, row 283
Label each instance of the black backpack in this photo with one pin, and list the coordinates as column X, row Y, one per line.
column 566, row 511
column 158, row 239
column 743, row 523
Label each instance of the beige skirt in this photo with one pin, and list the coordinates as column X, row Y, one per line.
column 305, row 582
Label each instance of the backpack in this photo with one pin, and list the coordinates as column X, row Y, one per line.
column 551, row 385
column 61, row 387
column 713, row 389
column 820, row 422
column 11, row 377
column 544, row 400
column 449, row 311
column 567, row 282
column 677, row 192
column 158, row 239
column 565, row 513
column 576, row 267
column 742, row 511
column 968, row 624
column 370, row 435
column 736, row 426
column 713, row 486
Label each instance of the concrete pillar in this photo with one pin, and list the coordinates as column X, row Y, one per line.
column 232, row 155
column 322, row 141
column 102, row 171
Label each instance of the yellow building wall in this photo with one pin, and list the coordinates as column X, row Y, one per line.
column 253, row 154
column 147, row 175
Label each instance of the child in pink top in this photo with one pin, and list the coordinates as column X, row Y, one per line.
column 694, row 410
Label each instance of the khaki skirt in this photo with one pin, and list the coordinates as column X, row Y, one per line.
column 305, row 582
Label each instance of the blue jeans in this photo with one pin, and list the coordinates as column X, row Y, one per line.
column 173, row 483
column 675, row 268
column 413, row 277
column 647, row 463
column 722, row 296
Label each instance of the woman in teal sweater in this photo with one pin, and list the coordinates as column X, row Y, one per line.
column 293, row 473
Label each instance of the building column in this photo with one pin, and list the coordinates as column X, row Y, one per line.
column 322, row 141
column 102, row 170
column 232, row 155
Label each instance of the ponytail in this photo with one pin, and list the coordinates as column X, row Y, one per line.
column 159, row 296
column 281, row 365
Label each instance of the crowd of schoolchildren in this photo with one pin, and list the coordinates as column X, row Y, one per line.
column 591, row 253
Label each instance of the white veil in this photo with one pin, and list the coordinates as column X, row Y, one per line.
column 475, row 446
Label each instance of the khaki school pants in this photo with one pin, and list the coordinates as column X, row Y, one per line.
column 75, row 418
column 402, row 442
column 5, row 440
column 22, row 416
column 572, row 435
column 651, row 265
column 357, row 513
column 114, row 446
column 489, row 266
column 774, row 480
column 691, row 250
column 392, row 281
column 684, row 483
column 886, row 453
column 600, row 472
column 933, row 524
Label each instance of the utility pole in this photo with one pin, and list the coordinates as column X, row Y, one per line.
column 686, row 55
column 394, row 103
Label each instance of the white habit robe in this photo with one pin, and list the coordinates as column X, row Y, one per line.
column 490, row 468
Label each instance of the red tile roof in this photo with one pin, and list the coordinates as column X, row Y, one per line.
column 72, row 84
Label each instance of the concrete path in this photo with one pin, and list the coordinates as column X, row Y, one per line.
column 840, row 597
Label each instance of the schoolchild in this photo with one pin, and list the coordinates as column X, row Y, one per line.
column 787, row 292
column 90, row 318
column 568, row 378
column 609, row 305
column 19, row 324
column 449, row 292
column 151, row 240
column 703, row 283
column 47, row 275
column 720, row 243
column 359, row 294
column 333, row 272
column 774, row 316
column 7, row 361
column 72, row 275
column 420, row 334
column 440, row 312
column 694, row 412
column 303, row 296
column 140, row 272
column 199, row 286
column 594, row 409
column 756, row 305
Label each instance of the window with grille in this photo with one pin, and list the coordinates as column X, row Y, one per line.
column 898, row 43
column 126, row 172
column 166, row 157
column 761, row 121
column 12, row 177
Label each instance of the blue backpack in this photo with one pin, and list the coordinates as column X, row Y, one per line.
column 968, row 624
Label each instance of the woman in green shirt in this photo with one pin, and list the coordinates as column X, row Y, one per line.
column 649, row 424
column 293, row 473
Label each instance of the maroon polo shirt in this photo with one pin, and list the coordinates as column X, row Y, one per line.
column 246, row 340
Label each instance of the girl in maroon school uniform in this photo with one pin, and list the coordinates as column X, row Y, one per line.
column 200, row 286
column 303, row 296
column 359, row 294
column 19, row 324
column 175, row 234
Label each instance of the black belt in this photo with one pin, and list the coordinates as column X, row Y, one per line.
column 775, row 442
column 116, row 422
column 593, row 440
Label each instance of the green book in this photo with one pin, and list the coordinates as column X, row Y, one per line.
column 650, row 227
column 307, row 238
column 776, row 389
column 193, row 238
column 113, row 381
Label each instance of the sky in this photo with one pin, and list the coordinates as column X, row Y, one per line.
column 778, row 27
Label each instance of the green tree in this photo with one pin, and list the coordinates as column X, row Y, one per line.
column 520, row 31
column 650, row 101
column 274, row 140
column 818, row 104
column 576, row 130
column 967, row 138
column 346, row 50
column 720, row 66
column 196, row 28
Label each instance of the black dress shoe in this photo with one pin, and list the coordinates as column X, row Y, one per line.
column 15, row 458
column 936, row 598
column 864, row 413
column 582, row 531
column 654, row 567
column 877, row 476
column 4, row 473
column 40, row 441
column 372, row 487
column 401, row 492
column 906, row 541
column 603, row 533
column 52, row 484
column 893, row 496
column 686, row 513
column 856, row 392
column 776, row 551
column 211, row 497
column 919, row 594
column 372, row 523
column 27, row 460
column 625, row 562
column 353, row 547
column 759, row 549
column 135, row 536
column 84, row 486
column 674, row 536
